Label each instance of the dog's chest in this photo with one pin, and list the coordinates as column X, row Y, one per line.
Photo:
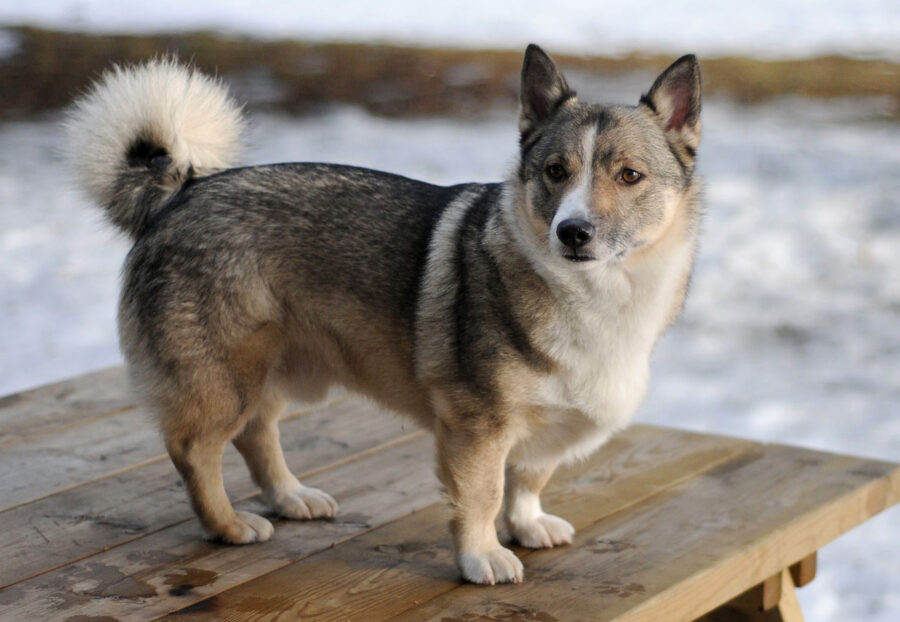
column 601, row 366
column 601, row 351
column 600, row 378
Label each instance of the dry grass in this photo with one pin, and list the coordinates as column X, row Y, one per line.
column 51, row 67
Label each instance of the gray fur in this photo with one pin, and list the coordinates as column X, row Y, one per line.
column 454, row 305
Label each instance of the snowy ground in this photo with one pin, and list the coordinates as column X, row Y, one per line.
column 791, row 332
column 769, row 28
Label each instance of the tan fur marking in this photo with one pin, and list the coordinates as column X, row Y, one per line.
column 471, row 470
column 259, row 445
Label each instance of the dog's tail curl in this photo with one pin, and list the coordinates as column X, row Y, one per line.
column 140, row 132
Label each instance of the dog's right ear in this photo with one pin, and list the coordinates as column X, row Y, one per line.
column 544, row 89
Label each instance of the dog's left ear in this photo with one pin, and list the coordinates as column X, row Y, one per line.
column 675, row 101
column 544, row 89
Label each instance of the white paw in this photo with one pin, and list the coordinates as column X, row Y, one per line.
column 543, row 532
column 498, row 565
column 305, row 503
column 245, row 529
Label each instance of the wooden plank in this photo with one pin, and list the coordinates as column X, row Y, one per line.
column 826, row 496
column 100, row 447
column 383, row 573
column 40, row 467
column 789, row 606
column 728, row 613
column 759, row 598
column 745, row 608
column 54, row 408
column 170, row 568
column 771, row 592
column 685, row 551
column 79, row 522
column 367, row 579
column 739, row 609
column 804, row 571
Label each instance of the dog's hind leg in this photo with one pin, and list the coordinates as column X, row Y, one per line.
column 259, row 444
column 196, row 439
column 214, row 393
column 527, row 522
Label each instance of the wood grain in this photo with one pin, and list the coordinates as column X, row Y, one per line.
column 745, row 608
column 385, row 572
column 172, row 567
column 79, row 522
column 758, row 599
column 804, row 571
column 57, row 437
column 99, row 447
column 39, row 467
column 54, row 408
column 789, row 606
column 685, row 551
column 93, row 525
column 771, row 592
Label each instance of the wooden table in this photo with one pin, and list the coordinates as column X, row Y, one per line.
column 672, row 525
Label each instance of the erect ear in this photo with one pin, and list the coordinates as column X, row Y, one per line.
column 544, row 89
column 675, row 101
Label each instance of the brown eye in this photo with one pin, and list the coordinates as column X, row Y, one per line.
column 556, row 172
column 630, row 176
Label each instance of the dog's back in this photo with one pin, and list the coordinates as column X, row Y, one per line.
column 326, row 259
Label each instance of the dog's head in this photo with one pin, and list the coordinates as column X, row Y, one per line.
column 600, row 181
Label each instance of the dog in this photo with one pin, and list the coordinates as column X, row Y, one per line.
column 514, row 319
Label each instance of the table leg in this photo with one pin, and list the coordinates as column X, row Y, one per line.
column 773, row 600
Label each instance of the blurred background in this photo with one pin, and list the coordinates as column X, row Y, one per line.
column 792, row 329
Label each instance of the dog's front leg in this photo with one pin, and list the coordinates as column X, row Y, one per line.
column 470, row 465
column 526, row 520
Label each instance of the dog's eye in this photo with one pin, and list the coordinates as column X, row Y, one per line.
column 556, row 172
column 630, row 176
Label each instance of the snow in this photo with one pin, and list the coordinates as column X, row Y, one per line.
column 767, row 28
column 791, row 331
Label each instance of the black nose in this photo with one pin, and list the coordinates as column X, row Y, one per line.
column 575, row 232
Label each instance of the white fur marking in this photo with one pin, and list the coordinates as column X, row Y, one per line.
column 576, row 202
column 183, row 110
column 531, row 526
column 439, row 284
column 499, row 565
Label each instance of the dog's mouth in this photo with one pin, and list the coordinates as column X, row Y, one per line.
column 615, row 255
column 576, row 257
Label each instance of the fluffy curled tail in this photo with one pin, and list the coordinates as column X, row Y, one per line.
column 140, row 132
